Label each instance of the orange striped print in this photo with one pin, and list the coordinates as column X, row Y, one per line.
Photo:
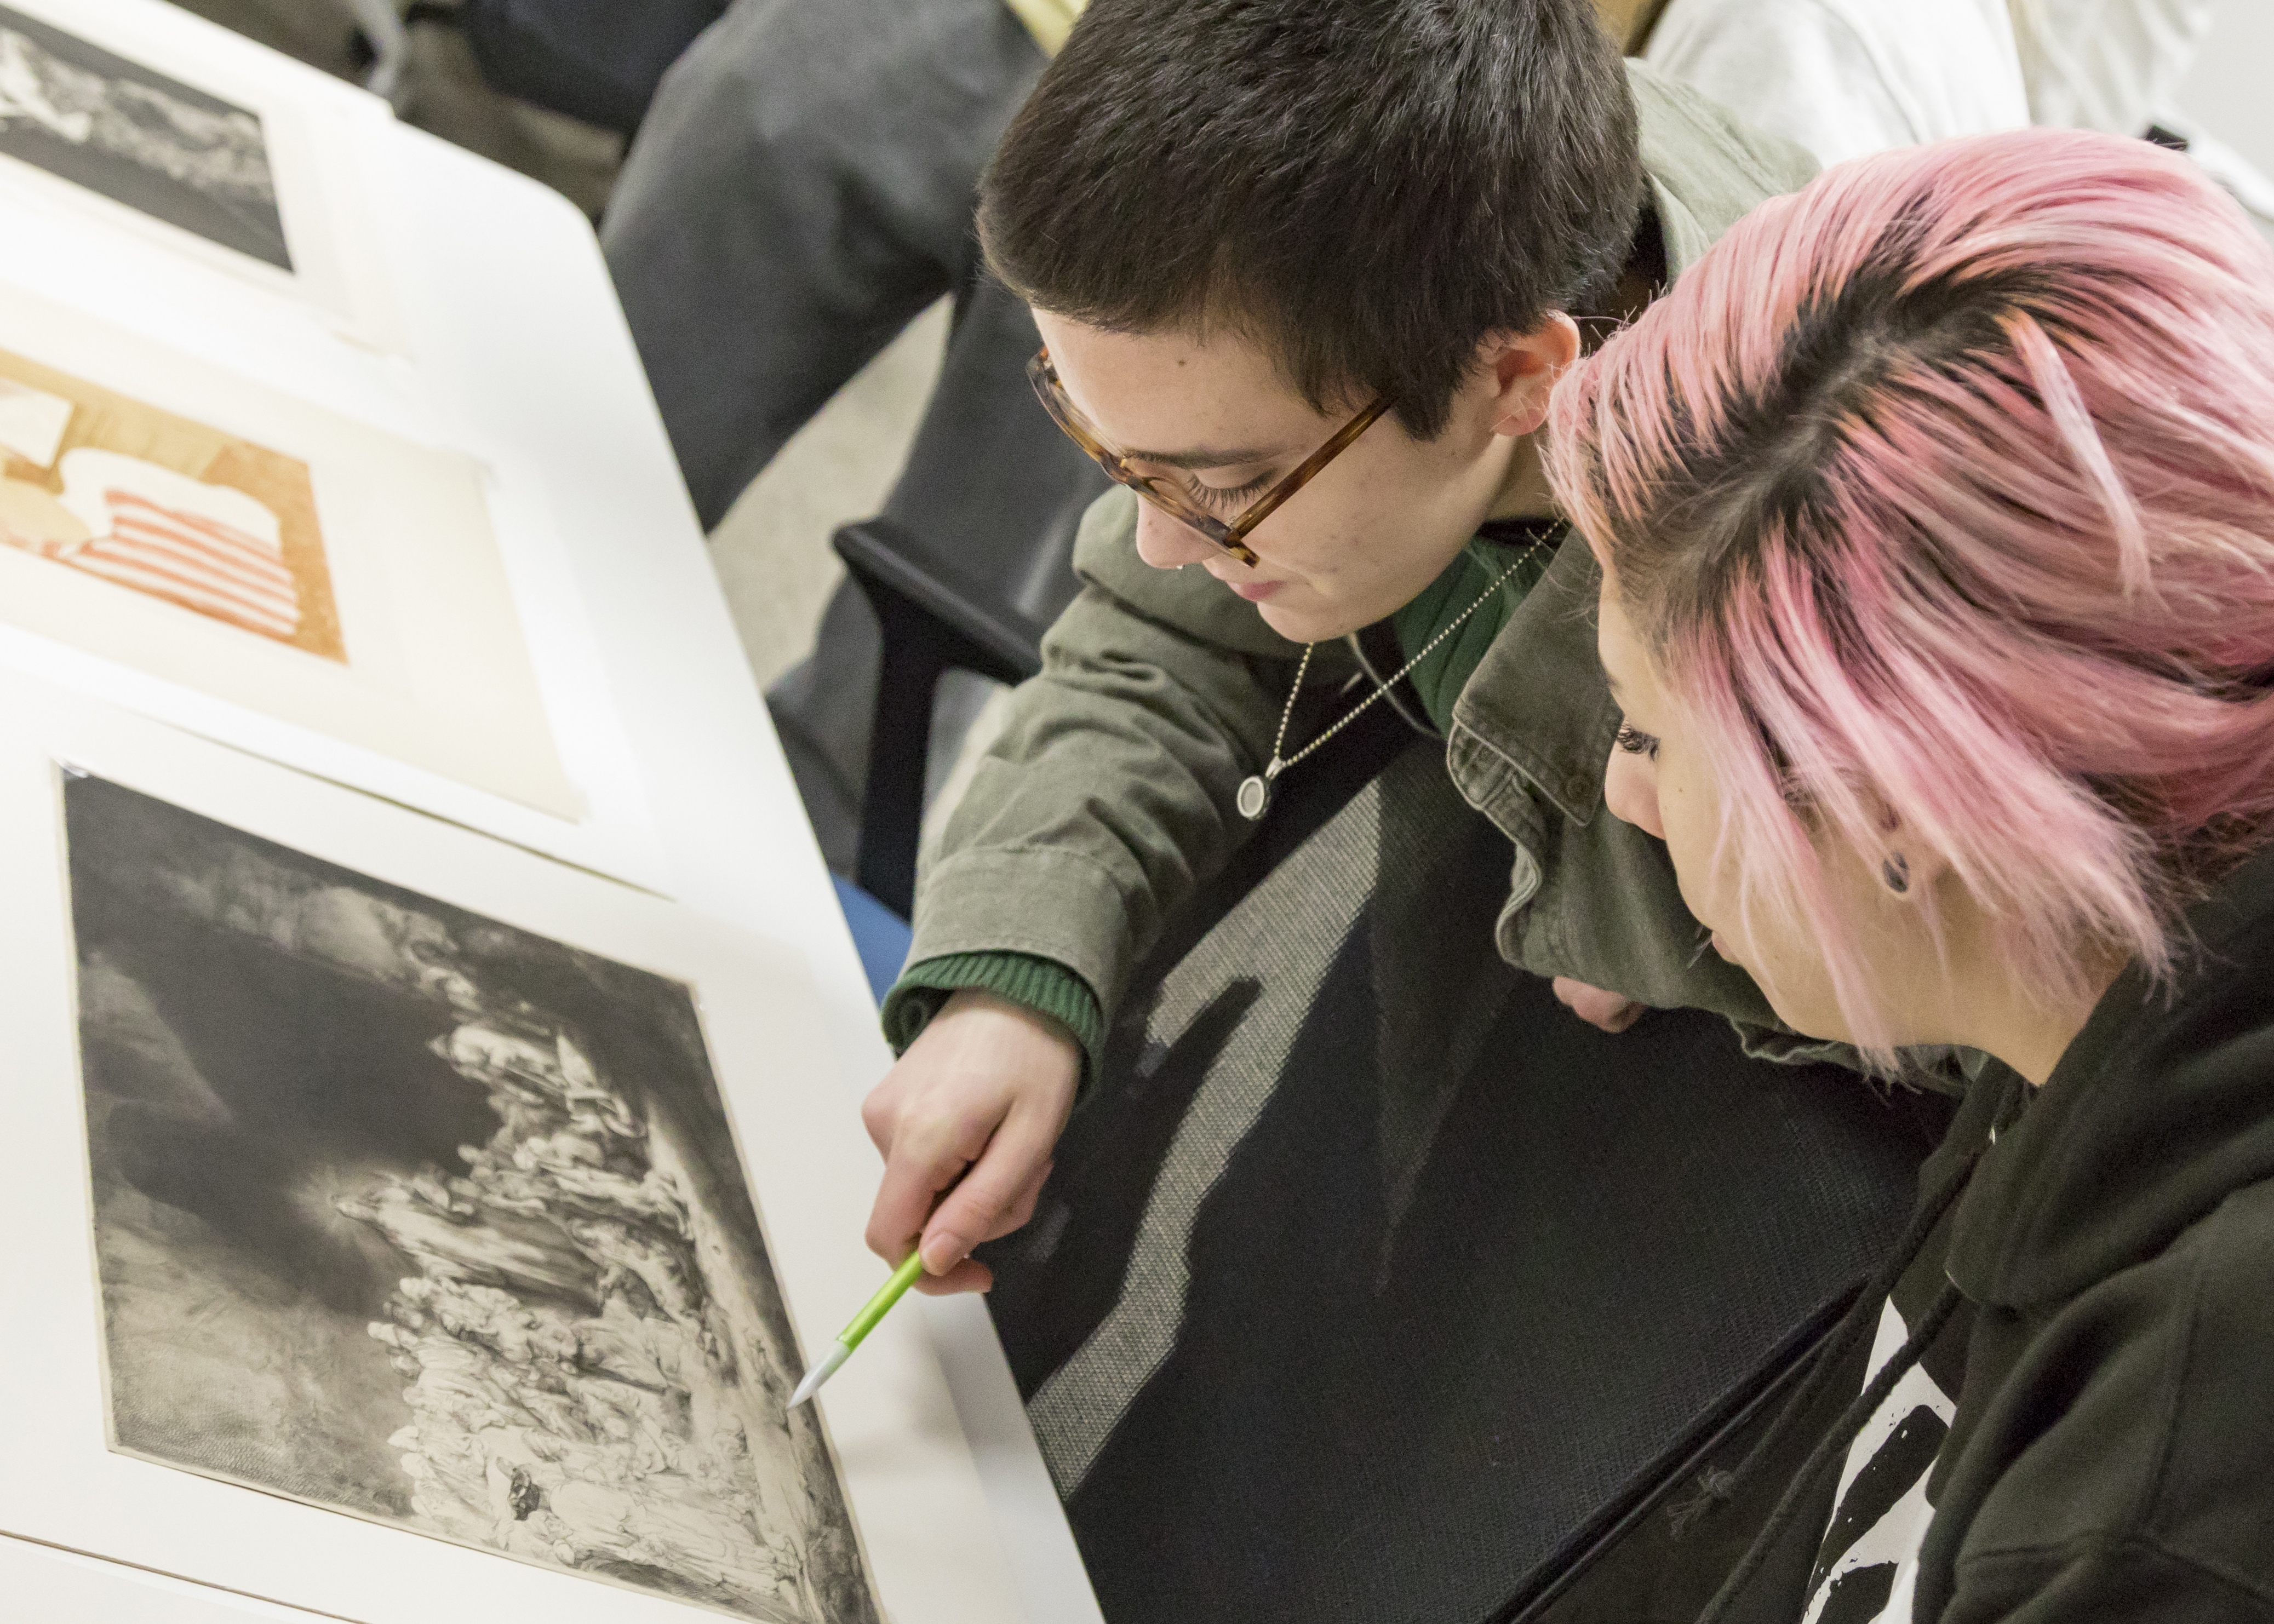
column 197, row 562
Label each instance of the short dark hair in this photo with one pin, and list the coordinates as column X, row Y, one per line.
column 1367, row 187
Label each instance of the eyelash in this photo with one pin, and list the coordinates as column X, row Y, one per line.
column 1209, row 496
column 1636, row 742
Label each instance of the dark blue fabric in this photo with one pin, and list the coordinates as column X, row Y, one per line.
column 879, row 936
column 596, row 60
column 801, row 188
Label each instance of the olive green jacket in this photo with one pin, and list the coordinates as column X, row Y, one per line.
column 1107, row 800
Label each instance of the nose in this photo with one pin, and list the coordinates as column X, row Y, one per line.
column 1164, row 544
column 1631, row 791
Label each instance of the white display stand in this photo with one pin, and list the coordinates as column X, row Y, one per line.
column 481, row 318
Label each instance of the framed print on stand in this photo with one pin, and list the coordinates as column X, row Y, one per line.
column 411, row 1229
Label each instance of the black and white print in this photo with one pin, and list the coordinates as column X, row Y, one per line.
column 1868, row 1564
column 414, row 1215
column 139, row 138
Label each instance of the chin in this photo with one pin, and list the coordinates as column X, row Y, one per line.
column 1801, row 998
column 1311, row 624
column 1811, row 1018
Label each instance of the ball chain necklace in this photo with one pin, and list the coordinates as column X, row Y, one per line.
column 1255, row 797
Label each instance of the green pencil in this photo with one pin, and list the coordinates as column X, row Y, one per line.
column 863, row 1322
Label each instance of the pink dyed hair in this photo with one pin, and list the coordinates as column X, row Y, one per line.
column 1949, row 481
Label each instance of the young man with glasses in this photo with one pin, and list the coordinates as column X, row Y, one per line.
column 1306, row 271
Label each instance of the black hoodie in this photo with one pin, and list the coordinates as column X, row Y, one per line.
column 2100, row 1301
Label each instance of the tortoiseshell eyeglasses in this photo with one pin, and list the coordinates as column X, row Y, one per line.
column 1165, row 494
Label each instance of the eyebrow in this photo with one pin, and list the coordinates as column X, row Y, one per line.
column 1206, row 456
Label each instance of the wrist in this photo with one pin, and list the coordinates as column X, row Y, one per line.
column 980, row 1001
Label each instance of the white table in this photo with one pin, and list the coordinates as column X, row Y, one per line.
column 491, row 326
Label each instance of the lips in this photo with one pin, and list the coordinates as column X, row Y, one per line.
column 1255, row 591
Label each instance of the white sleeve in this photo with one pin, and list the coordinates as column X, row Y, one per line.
column 2107, row 64
column 1845, row 78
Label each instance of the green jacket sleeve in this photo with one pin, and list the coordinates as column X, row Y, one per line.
column 1043, row 985
column 1107, row 799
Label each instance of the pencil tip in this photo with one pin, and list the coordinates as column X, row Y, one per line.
column 822, row 1371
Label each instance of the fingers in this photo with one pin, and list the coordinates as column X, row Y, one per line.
column 917, row 1167
column 1610, row 1011
column 1620, row 1017
column 880, row 1112
column 973, row 1275
column 1005, row 1175
column 969, row 1276
column 1022, row 1210
column 980, row 1098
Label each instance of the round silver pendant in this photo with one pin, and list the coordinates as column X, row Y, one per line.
column 1255, row 797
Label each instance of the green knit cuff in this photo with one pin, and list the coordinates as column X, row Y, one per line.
column 1043, row 985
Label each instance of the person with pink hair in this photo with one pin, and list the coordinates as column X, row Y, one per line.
column 1935, row 514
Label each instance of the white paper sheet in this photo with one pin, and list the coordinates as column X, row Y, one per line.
column 301, row 115
column 907, row 1471
column 435, row 675
column 46, row 1586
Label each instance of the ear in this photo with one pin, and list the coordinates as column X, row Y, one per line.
column 1916, row 866
column 1524, row 368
